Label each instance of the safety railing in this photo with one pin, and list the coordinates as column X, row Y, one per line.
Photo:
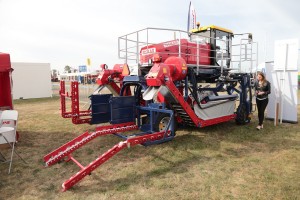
column 244, row 54
column 137, row 48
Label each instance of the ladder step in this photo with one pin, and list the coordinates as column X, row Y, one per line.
column 187, row 119
column 182, row 113
column 179, row 109
column 184, row 117
column 176, row 105
column 190, row 124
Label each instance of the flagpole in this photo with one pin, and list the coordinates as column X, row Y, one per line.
column 188, row 24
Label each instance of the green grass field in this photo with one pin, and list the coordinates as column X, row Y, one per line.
column 224, row 161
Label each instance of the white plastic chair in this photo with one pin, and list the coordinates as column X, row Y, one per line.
column 8, row 130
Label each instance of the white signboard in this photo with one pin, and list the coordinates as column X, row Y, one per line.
column 283, row 76
column 286, row 54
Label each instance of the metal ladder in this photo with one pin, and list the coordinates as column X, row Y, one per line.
column 182, row 108
column 183, row 114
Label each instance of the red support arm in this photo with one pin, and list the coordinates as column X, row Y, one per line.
column 110, row 153
column 81, row 140
column 114, row 87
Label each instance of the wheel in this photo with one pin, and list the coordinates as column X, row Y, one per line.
column 242, row 115
column 162, row 122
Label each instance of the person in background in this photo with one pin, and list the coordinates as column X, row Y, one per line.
column 262, row 90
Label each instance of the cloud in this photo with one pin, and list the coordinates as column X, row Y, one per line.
column 68, row 32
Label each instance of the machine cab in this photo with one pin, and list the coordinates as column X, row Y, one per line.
column 220, row 40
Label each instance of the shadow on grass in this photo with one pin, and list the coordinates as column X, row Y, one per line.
column 180, row 166
column 231, row 132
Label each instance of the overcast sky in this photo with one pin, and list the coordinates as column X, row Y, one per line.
column 67, row 32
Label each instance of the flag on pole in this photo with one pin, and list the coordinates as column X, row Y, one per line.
column 191, row 18
column 88, row 61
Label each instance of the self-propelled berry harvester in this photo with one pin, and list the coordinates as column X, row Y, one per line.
column 170, row 78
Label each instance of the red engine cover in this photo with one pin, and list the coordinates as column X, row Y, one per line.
column 188, row 51
column 178, row 68
column 105, row 73
column 174, row 68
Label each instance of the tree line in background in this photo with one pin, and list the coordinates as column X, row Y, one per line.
column 69, row 69
column 55, row 72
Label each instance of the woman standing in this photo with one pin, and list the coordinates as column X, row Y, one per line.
column 262, row 90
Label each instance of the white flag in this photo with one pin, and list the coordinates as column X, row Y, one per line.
column 191, row 18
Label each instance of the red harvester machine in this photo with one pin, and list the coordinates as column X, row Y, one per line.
column 189, row 81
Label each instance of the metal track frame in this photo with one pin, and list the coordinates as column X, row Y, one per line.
column 191, row 114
